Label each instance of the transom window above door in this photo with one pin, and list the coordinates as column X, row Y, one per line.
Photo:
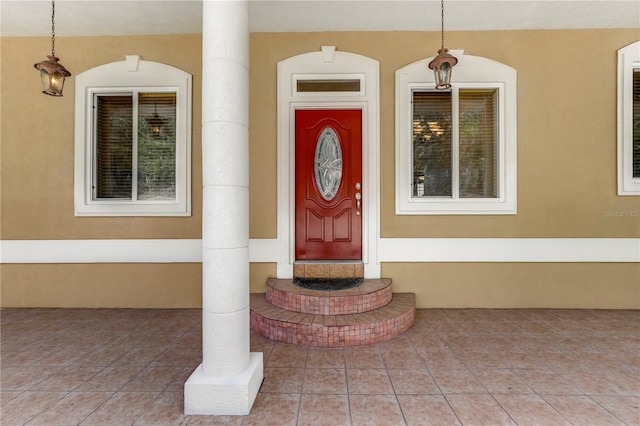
column 456, row 149
column 304, row 85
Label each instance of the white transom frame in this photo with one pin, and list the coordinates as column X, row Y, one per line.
column 360, row 77
column 334, row 66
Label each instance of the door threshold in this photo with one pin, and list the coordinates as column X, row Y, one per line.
column 328, row 269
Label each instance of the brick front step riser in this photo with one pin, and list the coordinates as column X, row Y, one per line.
column 331, row 336
column 330, row 304
column 333, row 330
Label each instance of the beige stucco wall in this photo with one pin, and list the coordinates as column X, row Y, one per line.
column 519, row 285
column 113, row 285
column 99, row 285
column 38, row 138
column 566, row 170
column 566, row 127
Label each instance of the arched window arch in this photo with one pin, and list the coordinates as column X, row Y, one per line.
column 456, row 149
column 133, row 140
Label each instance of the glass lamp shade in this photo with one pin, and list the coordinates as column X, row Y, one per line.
column 53, row 75
column 156, row 123
column 442, row 66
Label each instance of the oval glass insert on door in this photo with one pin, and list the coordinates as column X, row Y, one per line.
column 328, row 163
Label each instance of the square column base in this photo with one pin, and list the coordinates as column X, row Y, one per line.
column 204, row 395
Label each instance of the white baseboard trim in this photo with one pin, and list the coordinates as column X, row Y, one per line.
column 389, row 250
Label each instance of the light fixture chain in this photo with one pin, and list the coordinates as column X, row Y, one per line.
column 442, row 24
column 53, row 27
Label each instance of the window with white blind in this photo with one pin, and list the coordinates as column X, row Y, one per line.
column 135, row 146
column 133, row 140
column 629, row 120
column 456, row 149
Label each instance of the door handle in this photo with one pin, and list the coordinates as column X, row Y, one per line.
column 358, row 197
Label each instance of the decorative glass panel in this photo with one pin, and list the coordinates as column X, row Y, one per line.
column 328, row 163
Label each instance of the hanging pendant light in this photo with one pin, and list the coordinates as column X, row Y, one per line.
column 51, row 72
column 444, row 62
column 156, row 123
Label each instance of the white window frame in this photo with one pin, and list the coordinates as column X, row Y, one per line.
column 470, row 72
column 628, row 61
column 133, row 74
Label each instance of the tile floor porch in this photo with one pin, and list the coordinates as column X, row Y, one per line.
column 472, row 367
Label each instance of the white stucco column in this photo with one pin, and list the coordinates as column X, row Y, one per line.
column 229, row 377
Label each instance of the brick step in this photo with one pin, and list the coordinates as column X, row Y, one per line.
column 377, row 325
column 372, row 294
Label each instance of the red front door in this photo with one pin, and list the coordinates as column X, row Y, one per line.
column 328, row 195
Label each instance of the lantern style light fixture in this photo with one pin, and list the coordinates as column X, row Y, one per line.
column 156, row 123
column 444, row 62
column 51, row 72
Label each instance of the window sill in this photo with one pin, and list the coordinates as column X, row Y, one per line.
column 456, row 207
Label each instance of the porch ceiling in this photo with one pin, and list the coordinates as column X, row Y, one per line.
column 104, row 17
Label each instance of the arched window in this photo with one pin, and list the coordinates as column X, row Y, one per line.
column 133, row 140
column 629, row 119
column 456, row 149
